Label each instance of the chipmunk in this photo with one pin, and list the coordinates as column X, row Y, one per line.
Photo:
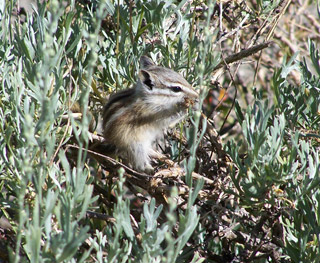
column 134, row 118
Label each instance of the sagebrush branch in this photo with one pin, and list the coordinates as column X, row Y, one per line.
column 242, row 54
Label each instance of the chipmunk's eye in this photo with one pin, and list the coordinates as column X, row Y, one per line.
column 176, row 88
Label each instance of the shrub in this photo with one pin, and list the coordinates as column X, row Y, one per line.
column 252, row 197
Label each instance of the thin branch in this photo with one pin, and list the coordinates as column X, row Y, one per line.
column 104, row 217
column 242, row 54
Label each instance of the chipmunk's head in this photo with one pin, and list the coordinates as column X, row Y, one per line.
column 164, row 86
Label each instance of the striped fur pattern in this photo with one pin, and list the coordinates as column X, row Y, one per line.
column 134, row 118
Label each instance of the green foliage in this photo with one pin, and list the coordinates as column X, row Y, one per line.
column 64, row 54
column 47, row 197
column 47, row 64
column 281, row 165
column 155, row 242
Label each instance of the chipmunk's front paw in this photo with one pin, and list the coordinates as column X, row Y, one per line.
column 148, row 169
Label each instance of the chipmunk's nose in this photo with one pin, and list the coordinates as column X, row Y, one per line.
column 193, row 97
column 192, row 94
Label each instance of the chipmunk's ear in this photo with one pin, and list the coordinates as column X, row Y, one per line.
column 146, row 62
column 146, row 78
